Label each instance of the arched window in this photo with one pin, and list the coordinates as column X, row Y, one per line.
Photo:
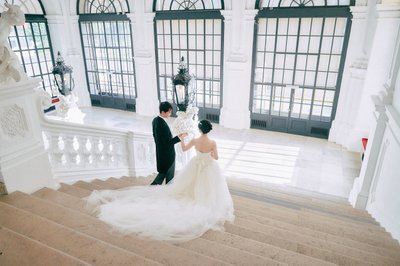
column 298, row 58
column 194, row 30
column 31, row 42
column 108, row 50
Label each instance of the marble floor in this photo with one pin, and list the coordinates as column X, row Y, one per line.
column 258, row 157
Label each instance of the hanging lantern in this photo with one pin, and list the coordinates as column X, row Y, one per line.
column 63, row 76
column 182, row 86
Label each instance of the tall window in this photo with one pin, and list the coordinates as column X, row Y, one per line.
column 31, row 43
column 108, row 50
column 298, row 63
column 194, row 30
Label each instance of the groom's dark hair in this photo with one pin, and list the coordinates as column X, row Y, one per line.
column 165, row 107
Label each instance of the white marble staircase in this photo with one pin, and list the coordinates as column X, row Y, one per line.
column 272, row 227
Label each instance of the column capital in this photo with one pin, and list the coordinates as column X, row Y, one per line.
column 54, row 19
column 384, row 11
column 359, row 12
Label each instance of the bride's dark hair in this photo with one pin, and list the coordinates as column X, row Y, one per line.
column 205, row 126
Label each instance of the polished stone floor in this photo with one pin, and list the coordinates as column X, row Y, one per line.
column 258, row 157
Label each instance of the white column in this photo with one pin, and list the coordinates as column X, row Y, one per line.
column 352, row 83
column 361, row 191
column 24, row 163
column 65, row 37
column 145, row 68
column 361, row 188
column 238, row 47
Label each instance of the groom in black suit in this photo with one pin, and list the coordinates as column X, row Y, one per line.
column 165, row 150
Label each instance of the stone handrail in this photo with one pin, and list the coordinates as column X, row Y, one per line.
column 80, row 151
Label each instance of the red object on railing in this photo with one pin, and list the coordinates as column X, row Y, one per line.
column 364, row 143
column 55, row 100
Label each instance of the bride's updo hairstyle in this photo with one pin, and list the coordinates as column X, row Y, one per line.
column 205, row 126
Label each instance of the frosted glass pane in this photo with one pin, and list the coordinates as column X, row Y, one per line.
column 301, row 62
column 217, row 26
column 316, row 28
column 303, row 44
column 209, row 42
column 217, row 42
column 293, row 26
column 337, row 45
column 262, row 26
column 334, row 64
column 200, row 42
column 192, row 42
column 332, row 78
column 323, row 62
column 288, row 77
column 278, row 75
column 200, row 26
column 321, row 79
column 271, row 26
column 329, row 26
column 281, row 44
column 310, row 78
column 291, row 44
column 282, row 26
column 299, row 78
column 270, row 44
column 183, row 42
column 314, row 44
column 326, row 45
column 260, row 43
column 340, row 26
column 279, row 60
column 289, row 64
column 312, row 62
column 305, row 26
column 182, row 27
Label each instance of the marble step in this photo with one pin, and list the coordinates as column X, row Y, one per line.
column 288, row 241
column 155, row 251
column 205, row 247
column 61, row 238
column 326, row 219
column 338, row 242
column 270, row 251
column 301, row 197
column 338, row 254
column 334, row 257
column 323, row 214
column 359, row 249
column 17, row 249
column 307, row 220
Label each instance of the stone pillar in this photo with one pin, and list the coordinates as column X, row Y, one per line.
column 69, row 44
column 379, row 64
column 352, row 82
column 24, row 163
column 145, row 68
column 360, row 192
column 238, row 42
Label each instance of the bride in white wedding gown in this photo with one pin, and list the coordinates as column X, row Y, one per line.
column 196, row 200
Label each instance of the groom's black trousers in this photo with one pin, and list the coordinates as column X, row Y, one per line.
column 167, row 176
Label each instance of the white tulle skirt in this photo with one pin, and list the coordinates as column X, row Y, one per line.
column 196, row 200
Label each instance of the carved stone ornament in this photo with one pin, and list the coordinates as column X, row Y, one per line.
column 13, row 122
column 10, row 67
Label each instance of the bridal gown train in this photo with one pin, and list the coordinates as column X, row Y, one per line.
column 196, row 200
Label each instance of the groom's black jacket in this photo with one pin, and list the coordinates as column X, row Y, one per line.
column 165, row 151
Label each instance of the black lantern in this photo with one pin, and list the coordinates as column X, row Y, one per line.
column 182, row 83
column 63, row 76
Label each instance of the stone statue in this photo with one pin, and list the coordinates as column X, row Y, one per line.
column 10, row 67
